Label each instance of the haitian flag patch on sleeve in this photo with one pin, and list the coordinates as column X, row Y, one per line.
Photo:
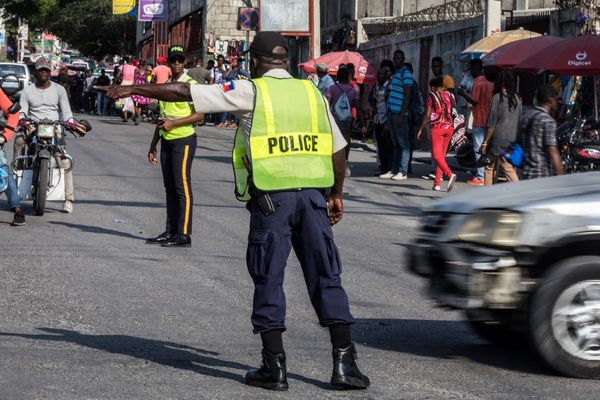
column 228, row 86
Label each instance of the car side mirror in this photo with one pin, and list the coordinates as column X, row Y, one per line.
column 15, row 108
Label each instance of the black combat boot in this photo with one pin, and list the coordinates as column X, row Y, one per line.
column 272, row 374
column 346, row 374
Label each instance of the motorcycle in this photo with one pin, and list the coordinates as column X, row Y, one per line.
column 579, row 143
column 43, row 154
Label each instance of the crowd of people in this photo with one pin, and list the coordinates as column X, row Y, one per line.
column 402, row 119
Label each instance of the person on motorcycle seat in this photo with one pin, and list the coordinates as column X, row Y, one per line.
column 47, row 100
column 14, row 202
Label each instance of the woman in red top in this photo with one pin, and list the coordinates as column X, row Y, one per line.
column 439, row 116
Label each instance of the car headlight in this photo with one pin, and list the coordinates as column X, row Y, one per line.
column 495, row 227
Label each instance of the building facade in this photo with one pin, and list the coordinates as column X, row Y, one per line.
column 206, row 28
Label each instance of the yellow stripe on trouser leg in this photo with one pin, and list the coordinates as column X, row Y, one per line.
column 186, row 190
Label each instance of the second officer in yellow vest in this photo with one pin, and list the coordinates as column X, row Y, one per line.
column 288, row 151
column 177, row 149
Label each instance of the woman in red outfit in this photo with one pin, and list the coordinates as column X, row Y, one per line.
column 439, row 116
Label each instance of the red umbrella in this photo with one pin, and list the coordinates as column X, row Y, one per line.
column 514, row 53
column 365, row 73
column 578, row 56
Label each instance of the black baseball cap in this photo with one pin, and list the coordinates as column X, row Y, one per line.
column 266, row 41
column 176, row 51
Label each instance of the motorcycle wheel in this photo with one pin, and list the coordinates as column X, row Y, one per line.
column 42, row 187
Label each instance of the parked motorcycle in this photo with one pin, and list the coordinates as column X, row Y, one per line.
column 579, row 143
column 43, row 154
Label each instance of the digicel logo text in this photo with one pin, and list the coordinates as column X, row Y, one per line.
column 577, row 63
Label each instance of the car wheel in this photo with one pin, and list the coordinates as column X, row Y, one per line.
column 498, row 332
column 564, row 317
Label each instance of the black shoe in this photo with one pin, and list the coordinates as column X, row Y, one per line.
column 162, row 238
column 178, row 241
column 346, row 374
column 18, row 219
column 272, row 374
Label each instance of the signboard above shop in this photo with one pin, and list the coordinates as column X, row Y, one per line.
column 285, row 15
column 153, row 10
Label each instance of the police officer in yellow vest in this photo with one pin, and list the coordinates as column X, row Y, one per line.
column 288, row 151
column 177, row 149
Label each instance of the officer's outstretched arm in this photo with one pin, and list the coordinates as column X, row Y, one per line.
column 336, row 207
column 177, row 91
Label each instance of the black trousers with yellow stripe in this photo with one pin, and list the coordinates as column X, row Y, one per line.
column 176, row 157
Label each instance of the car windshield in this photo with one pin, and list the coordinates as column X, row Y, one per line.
column 18, row 70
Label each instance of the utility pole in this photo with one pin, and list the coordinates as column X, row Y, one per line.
column 315, row 37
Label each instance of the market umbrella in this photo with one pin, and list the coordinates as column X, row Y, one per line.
column 496, row 40
column 514, row 53
column 578, row 56
column 365, row 73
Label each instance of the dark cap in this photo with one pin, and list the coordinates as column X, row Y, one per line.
column 175, row 51
column 266, row 41
column 42, row 63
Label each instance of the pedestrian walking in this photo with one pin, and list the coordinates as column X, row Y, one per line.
column 480, row 99
column 127, row 74
column 342, row 97
column 287, row 151
column 437, row 68
column 161, row 73
column 14, row 201
column 139, row 102
column 89, row 92
column 398, row 119
column 378, row 102
column 101, row 99
column 178, row 142
column 438, row 114
column 538, row 136
column 325, row 80
column 502, row 126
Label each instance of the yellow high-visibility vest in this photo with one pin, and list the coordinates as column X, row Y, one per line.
column 177, row 110
column 290, row 140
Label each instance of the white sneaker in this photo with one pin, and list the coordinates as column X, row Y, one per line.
column 68, row 207
column 451, row 183
column 399, row 177
column 348, row 172
column 387, row 175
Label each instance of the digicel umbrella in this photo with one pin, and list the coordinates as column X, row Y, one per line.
column 514, row 53
column 365, row 73
column 578, row 56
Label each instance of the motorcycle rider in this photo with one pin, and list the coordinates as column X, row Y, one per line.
column 14, row 201
column 47, row 100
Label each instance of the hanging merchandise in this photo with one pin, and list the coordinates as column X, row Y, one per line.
column 210, row 44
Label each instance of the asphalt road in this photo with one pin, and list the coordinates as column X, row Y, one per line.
column 88, row 311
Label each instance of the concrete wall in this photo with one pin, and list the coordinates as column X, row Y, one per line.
column 221, row 19
column 446, row 41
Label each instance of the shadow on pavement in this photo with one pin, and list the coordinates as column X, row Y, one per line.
column 97, row 229
column 444, row 340
column 204, row 362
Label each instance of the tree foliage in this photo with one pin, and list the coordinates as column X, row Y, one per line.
column 87, row 25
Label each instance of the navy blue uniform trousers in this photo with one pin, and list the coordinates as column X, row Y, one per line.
column 176, row 157
column 300, row 221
